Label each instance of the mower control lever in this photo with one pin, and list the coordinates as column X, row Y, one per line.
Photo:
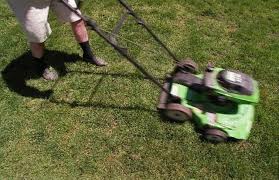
column 208, row 77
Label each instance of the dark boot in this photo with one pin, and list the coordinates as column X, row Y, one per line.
column 89, row 57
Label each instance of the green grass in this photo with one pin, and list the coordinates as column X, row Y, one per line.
column 102, row 122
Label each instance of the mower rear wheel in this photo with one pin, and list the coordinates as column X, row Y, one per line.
column 178, row 113
column 188, row 66
column 215, row 135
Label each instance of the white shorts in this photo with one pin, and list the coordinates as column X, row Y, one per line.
column 33, row 16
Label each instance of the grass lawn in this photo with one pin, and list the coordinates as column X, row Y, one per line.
column 102, row 122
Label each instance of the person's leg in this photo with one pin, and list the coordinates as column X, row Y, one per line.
column 47, row 72
column 81, row 36
column 80, row 31
column 37, row 49
column 78, row 28
column 33, row 20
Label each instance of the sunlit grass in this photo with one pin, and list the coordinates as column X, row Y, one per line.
column 102, row 122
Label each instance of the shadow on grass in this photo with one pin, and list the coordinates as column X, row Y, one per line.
column 75, row 104
column 118, row 75
column 24, row 68
column 102, row 105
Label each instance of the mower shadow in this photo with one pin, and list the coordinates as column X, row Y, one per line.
column 132, row 76
column 103, row 105
column 24, row 68
column 76, row 104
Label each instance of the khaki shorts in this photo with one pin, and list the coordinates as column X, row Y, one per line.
column 33, row 16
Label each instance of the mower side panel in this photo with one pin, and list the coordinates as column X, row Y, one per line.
column 237, row 125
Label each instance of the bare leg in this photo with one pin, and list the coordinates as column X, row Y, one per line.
column 81, row 36
column 80, row 31
column 37, row 50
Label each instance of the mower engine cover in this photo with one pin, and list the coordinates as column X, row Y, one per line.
column 236, row 82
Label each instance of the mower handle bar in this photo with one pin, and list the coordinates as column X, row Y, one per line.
column 141, row 22
column 93, row 25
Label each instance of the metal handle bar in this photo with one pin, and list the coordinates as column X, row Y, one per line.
column 91, row 23
column 144, row 25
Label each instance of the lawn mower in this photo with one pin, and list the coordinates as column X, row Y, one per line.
column 220, row 102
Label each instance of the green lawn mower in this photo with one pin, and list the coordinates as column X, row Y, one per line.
column 220, row 102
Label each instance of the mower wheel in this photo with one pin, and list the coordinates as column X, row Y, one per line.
column 178, row 113
column 188, row 66
column 215, row 135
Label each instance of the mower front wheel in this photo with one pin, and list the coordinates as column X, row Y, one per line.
column 178, row 113
column 215, row 135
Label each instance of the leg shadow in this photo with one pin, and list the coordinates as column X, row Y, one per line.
column 25, row 68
